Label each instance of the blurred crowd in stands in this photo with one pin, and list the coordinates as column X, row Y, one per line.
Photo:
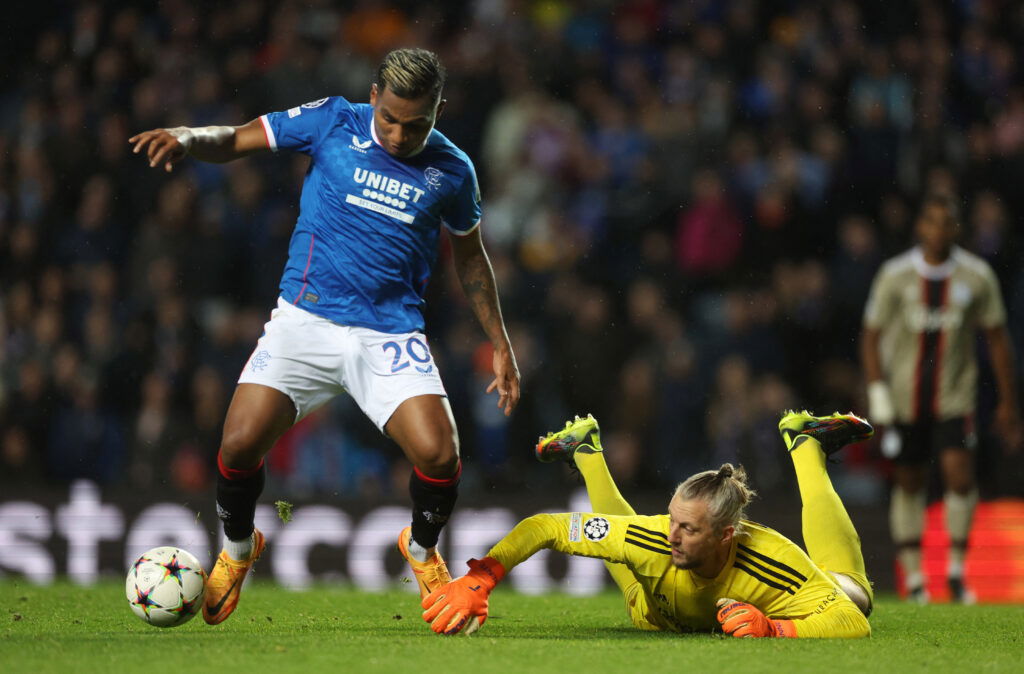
column 684, row 202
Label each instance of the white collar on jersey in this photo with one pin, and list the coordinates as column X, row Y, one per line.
column 373, row 134
column 935, row 272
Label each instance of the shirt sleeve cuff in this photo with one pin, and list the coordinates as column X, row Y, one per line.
column 461, row 232
column 268, row 131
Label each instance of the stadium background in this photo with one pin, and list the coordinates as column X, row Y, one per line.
column 685, row 203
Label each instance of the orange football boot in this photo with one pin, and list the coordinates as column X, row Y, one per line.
column 224, row 586
column 430, row 574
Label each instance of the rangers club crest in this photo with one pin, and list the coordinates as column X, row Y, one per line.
column 260, row 361
column 433, row 177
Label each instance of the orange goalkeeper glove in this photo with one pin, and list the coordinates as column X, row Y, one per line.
column 462, row 604
column 741, row 619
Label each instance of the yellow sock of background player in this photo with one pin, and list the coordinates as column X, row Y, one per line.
column 829, row 535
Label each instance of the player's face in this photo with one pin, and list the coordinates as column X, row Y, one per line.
column 695, row 545
column 936, row 230
column 403, row 124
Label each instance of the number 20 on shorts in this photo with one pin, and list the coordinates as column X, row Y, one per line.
column 415, row 353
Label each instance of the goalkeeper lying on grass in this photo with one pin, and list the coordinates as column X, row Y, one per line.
column 701, row 566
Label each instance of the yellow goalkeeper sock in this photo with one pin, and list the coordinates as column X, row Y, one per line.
column 829, row 535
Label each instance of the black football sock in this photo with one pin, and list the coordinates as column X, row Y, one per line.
column 237, row 493
column 432, row 503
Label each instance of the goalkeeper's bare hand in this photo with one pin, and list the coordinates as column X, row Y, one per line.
column 741, row 619
column 461, row 605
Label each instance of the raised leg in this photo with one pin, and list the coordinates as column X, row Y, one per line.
column 830, row 538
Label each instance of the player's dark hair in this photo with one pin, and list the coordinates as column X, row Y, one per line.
column 726, row 492
column 943, row 200
column 411, row 73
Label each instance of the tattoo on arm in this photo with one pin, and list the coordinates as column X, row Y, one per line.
column 477, row 278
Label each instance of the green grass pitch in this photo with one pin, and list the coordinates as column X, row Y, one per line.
column 63, row 628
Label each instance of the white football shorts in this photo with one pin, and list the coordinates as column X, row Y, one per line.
column 312, row 359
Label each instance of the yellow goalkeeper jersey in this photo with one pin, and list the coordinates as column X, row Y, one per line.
column 764, row 568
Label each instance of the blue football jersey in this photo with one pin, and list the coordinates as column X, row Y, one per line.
column 367, row 234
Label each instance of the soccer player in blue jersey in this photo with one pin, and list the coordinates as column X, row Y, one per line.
column 381, row 185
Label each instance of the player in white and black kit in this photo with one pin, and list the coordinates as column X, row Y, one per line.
column 381, row 186
column 918, row 353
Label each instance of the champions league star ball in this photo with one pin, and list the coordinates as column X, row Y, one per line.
column 165, row 586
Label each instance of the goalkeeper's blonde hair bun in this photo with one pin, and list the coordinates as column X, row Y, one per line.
column 726, row 492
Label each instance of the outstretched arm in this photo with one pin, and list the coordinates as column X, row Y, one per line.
column 462, row 605
column 841, row 619
column 477, row 278
column 581, row 534
column 217, row 144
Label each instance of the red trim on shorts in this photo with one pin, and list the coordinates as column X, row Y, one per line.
column 309, row 258
column 446, row 482
column 939, row 346
column 236, row 473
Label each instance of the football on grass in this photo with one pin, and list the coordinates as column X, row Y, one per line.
column 165, row 586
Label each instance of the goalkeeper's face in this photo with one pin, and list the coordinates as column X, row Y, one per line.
column 695, row 543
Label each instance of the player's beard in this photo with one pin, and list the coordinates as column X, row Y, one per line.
column 695, row 555
column 681, row 560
